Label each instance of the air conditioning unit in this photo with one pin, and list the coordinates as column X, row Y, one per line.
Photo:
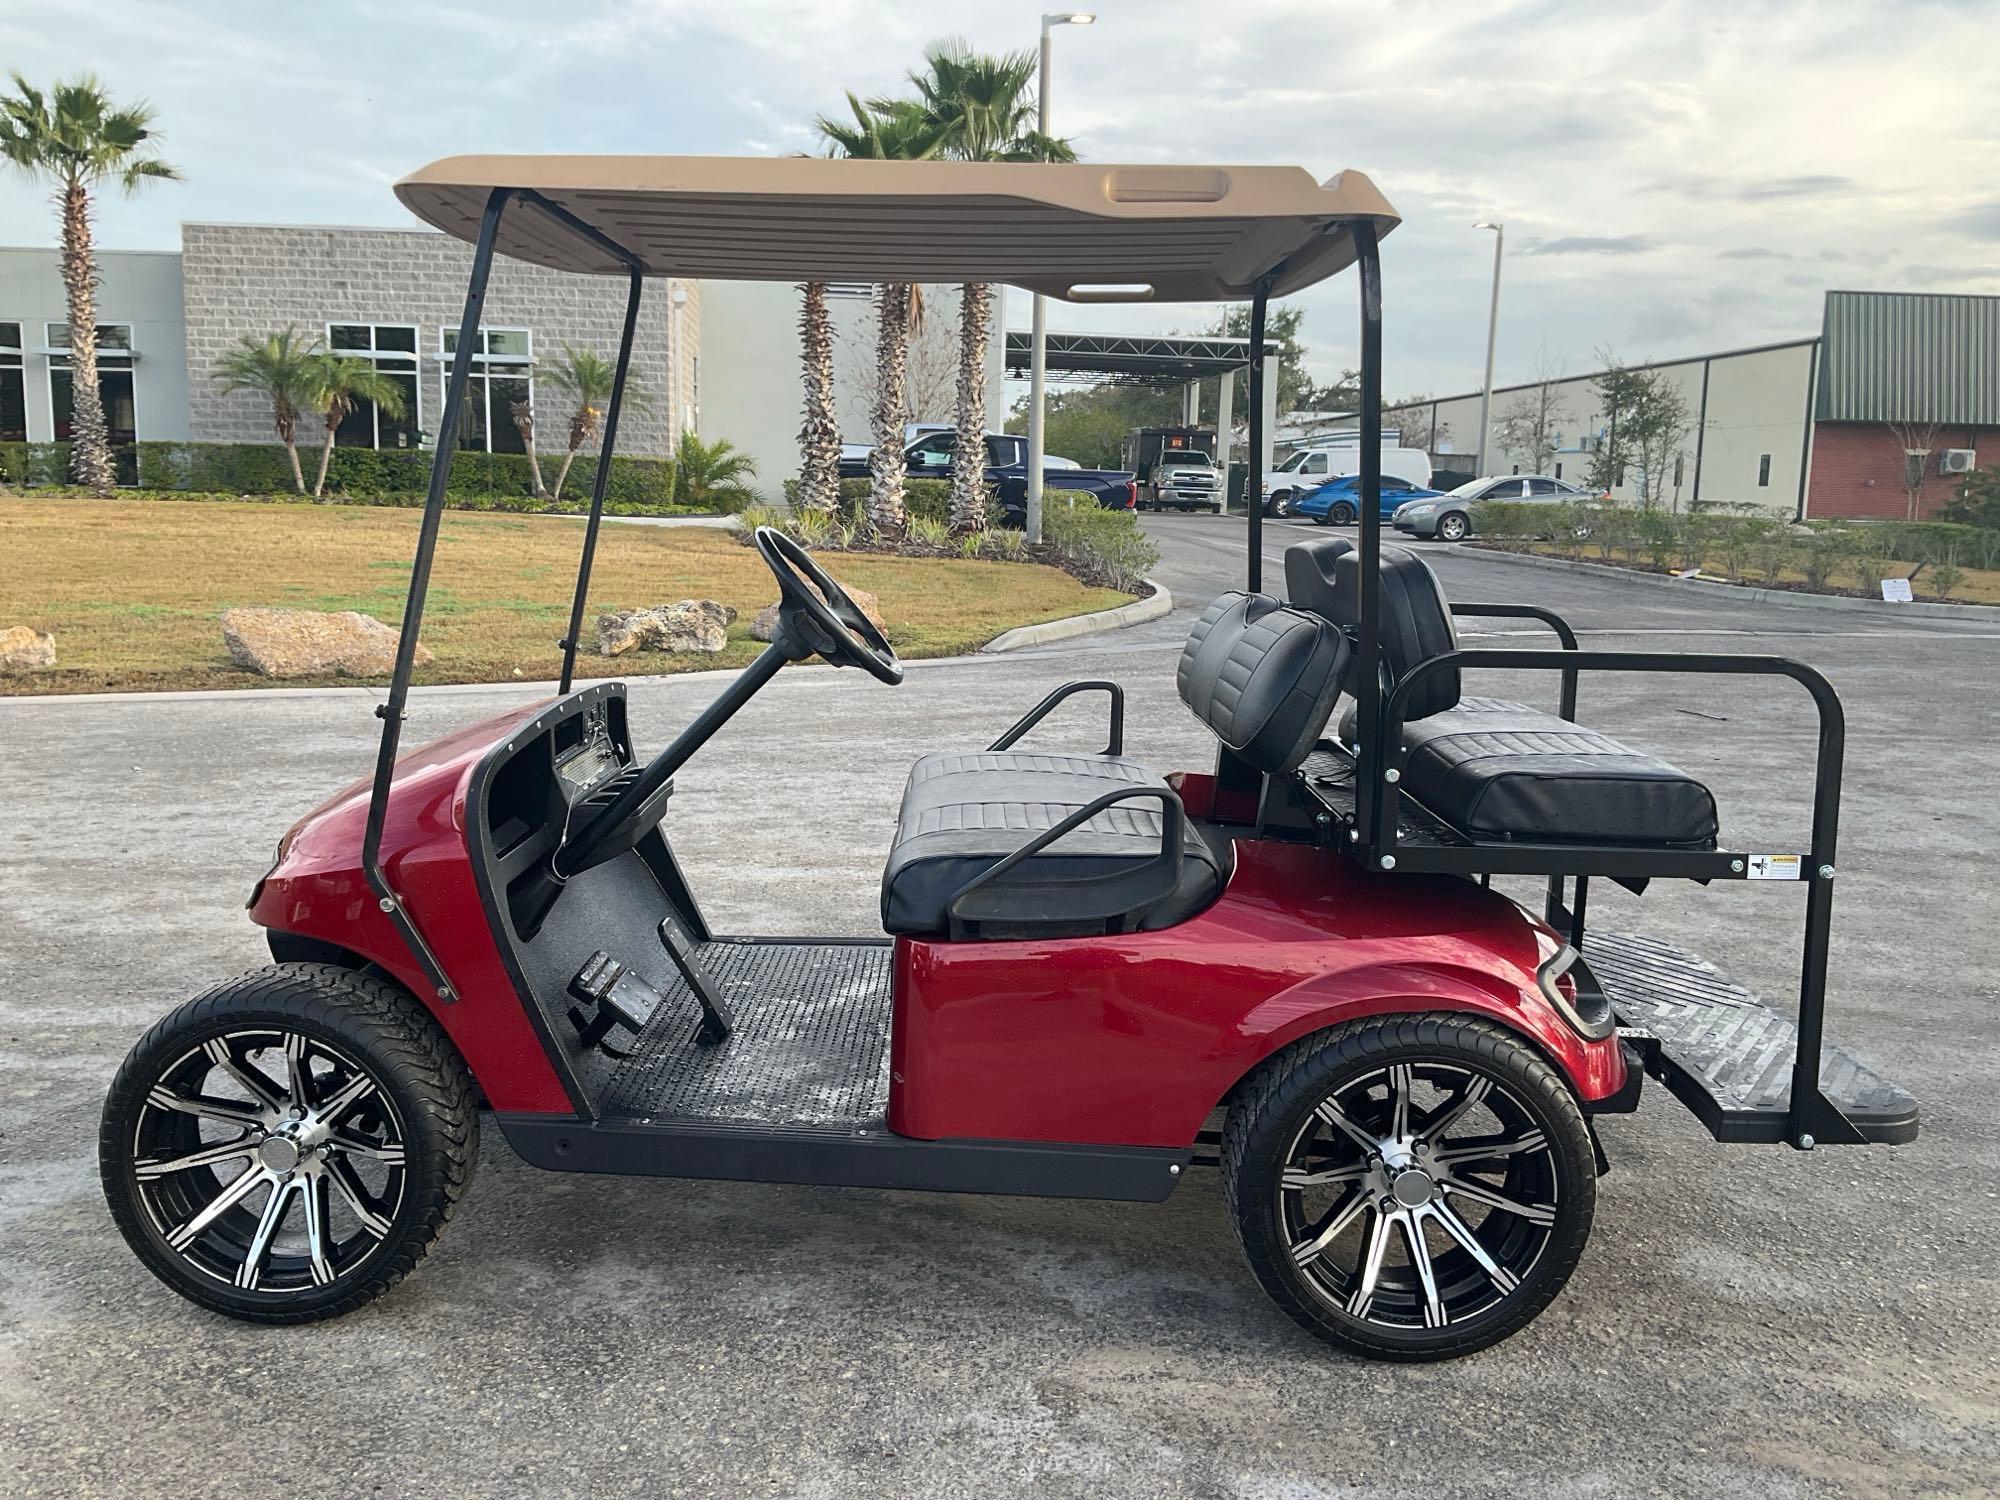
column 1956, row 461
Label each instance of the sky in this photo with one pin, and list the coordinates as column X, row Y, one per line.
column 1674, row 178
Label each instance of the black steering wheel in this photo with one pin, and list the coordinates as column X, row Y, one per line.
column 820, row 616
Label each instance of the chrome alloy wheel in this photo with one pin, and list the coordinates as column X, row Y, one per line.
column 268, row 1160
column 1418, row 1196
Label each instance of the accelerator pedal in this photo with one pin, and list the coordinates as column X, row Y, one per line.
column 716, row 1021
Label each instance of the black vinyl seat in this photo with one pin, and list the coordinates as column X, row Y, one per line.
column 1263, row 677
column 1491, row 768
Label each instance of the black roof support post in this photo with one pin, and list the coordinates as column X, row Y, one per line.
column 590, row 529
column 1366, row 673
column 1253, row 484
column 392, row 712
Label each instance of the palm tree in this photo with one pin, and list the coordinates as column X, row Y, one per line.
column 983, row 106
column 888, row 130
column 819, row 434
column 76, row 139
column 282, row 368
column 336, row 385
column 585, row 379
column 711, row 475
column 523, row 413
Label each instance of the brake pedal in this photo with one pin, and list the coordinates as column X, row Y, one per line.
column 621, row 999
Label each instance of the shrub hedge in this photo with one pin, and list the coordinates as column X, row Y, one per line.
column 371, row 476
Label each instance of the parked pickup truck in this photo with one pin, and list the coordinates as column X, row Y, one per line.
column 1184, row 479
column 930, row 457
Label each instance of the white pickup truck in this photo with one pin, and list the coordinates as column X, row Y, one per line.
column 1183, row 477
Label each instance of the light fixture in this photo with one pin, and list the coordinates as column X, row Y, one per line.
column 1070, row 18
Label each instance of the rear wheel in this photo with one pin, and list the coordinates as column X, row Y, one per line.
column 1410, row 1187
column 288, row 1146
column 1453, row 527
column 1340, row 513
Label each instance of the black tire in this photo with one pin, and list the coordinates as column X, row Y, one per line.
column 1454, row 1305
column 1453, row 526
column 1340, row 513
column 1280, row 504
column 412, row 1126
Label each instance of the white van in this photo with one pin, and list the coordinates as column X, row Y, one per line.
column 1309, row 468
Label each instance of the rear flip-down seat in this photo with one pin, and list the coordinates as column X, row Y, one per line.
column 1490, row 768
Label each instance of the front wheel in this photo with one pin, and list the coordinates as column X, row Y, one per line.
column 1281, row 503
column 288, row 1146
column 1453, row 527
column 1410, row 1187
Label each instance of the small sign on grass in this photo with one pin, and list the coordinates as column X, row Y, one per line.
column 1896, row 591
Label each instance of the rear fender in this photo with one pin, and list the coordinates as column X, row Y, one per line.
column 1593, row 1070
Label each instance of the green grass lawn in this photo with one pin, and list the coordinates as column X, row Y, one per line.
column 131, row 590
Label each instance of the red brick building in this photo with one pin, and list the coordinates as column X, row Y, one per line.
column 1905, row 383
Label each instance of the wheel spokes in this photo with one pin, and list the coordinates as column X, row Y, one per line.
column 208, row 1156
column 341, row 1174
column 1308, row 1250
column 388, row 1153
column 246, row 1078
column 268, row 1224
column 1339, row 1119
column 346, row 1097
column 1371, row 1267
column 1490, row 1148
column 1460, row 1231
column 298, row 1077
column 228, row 1111
column 1543, row 1214
column 317, row 1202
column 237, row 1190
column 1420, row 1258
column 1468, row 1099
column 1402, row 1085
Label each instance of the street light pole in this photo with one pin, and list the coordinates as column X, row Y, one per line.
column 1492, row 329
column 1038, row 343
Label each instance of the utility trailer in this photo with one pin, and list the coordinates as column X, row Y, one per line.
column 1082, row 964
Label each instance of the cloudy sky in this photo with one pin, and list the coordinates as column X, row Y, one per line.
column 1675, row 178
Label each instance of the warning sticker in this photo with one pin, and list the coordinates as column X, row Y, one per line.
column 1772, row 867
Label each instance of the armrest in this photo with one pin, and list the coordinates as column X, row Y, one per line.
column 1098, row 900
column 1566, row 706
column 1040, row 711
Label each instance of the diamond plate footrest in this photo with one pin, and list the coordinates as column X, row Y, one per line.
column 1728, row 1055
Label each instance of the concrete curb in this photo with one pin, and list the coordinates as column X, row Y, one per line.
column 1153, row 607
column 1835, row 602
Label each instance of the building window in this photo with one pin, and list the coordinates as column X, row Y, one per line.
column 13, row 387
column 1680, row 461
column 1763, row 471
column 114, row 389
column 392, row 348
column 1559, row 469
column 502, row 375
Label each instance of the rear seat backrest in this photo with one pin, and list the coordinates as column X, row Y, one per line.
column 1263, row 677
column 1414, row 623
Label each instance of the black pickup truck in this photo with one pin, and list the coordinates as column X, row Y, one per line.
column 930, row 457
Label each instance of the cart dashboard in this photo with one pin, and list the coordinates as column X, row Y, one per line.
column 527, row 791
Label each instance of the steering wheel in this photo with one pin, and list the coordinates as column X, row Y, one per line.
column 823, row 618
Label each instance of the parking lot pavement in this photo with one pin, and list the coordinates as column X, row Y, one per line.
column 1746, row 1320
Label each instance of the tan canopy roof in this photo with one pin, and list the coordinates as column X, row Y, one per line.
column 1085, row 232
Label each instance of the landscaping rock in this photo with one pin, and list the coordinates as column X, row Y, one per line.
column 23, row 649
column 766, row 623
column 690, row 625
column 311, row 643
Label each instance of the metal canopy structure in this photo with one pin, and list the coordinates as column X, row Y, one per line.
column 1133, row 359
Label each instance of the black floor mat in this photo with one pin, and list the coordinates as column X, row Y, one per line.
column 810, row 1049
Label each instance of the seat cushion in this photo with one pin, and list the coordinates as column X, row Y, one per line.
column 1263, row 677
column 965, row 812
column 1494, row 769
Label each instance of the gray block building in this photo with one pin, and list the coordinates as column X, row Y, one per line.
column 394, row 297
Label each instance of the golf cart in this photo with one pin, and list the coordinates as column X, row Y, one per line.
column 1292, row 964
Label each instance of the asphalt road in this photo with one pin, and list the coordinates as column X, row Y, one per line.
column 1746, row 1320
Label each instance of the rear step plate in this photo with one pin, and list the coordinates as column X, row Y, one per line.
column 1725, row 1053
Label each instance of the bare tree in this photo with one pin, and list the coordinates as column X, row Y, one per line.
column 1918, row 440
column 930, row 367
column 1415, row 418
column 1647, row 426
column 1532, row 422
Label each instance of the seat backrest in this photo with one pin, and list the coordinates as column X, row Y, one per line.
column 1263, row 677
column 1413, row 623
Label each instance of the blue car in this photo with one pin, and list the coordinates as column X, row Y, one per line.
column 1338, row 501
